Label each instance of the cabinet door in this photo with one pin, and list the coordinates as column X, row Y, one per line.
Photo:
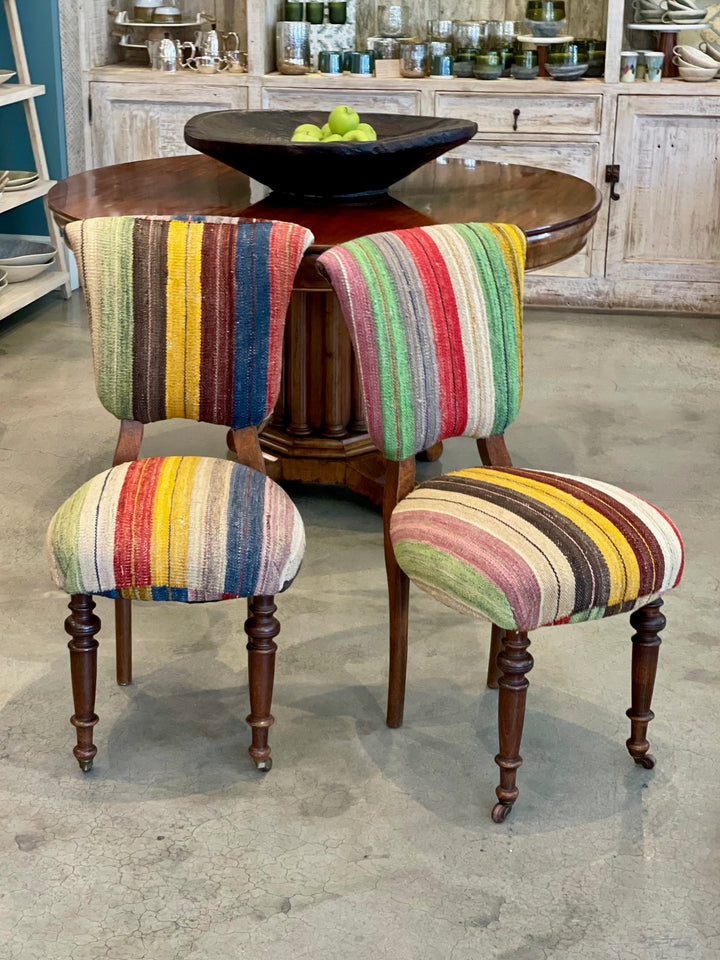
column 666, row 224
column 577, row 159
column 138, row 121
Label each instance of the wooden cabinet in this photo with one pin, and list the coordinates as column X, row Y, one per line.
column 138, row 121
column 666, row 224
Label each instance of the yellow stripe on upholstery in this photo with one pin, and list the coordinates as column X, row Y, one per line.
column 160, row 537
column 176, row 329
column 616, row 551
column 193, row 293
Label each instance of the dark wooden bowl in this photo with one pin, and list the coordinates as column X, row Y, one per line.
column 258, row 143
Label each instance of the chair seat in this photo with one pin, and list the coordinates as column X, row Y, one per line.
column 177, row 528
column 527, row 549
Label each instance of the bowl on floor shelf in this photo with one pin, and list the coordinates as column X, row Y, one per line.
column 258, row 144
column 17, row 274
column 20, row 253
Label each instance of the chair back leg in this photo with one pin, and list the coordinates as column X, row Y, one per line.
column 515, row 662
column 123, row 642
column 261, row 628
column 82, row 625
column 648, row 622
column 497, row 636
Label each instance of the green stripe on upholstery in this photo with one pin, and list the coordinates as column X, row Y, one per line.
column 456, row 583
column 116, row 320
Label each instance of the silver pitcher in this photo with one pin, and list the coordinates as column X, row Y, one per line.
column 163, row 54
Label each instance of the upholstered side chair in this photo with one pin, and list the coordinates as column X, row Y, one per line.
column 435, row 316
column 186, row 320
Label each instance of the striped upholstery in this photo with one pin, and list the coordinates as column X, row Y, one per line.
column 435, row 315
column 527, row 548
column 187, row 314
column 176, row 528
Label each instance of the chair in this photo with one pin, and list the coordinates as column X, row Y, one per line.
column 186, row 320
column 435, row 316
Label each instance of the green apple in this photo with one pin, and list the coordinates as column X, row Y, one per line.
column 333, row 137
column 342, row 120
column 367, row 130
column 308, row 130
column 304, row 138
column 359, row 135
column 325, row 131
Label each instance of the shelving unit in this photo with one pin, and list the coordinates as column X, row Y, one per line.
column 17, row 295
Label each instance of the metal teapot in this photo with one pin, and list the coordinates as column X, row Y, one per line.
column 208, row 43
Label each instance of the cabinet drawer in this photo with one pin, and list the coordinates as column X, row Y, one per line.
column 364, row 101
column 538, row 114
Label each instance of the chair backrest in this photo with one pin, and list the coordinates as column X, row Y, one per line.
column 187, row 313
column 435, row 316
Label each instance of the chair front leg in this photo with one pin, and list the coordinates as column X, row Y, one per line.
column 648, row 622
column 399, row 482
column 515, row 662
column 261, row 628
column 82, row 625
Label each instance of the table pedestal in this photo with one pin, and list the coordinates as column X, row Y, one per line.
column 318, row 432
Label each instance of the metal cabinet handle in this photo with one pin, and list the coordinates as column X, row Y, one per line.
column 516, row 114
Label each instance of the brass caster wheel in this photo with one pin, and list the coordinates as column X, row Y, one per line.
column 648, row 761
column 85, row 765
column 264, row 765
column 500, row 812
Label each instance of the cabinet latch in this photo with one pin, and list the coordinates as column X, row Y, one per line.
column 612, row 176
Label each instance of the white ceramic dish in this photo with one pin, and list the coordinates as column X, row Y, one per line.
column 27, row 272
column 696, row 74
column 23, row 252
column 694, row 57
column 6, row 74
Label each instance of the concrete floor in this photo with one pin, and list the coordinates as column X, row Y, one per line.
column 364, row 843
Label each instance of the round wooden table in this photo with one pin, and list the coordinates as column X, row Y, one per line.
column 318, row 432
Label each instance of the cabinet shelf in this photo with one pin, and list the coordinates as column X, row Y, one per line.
column 8, row 201
column 17, row 295
column 17, row 92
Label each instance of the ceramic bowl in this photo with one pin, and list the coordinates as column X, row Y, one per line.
column 16, row 274
column 711, row 49
column 546, row 28
column 696, row 74
column 6, row 74
column 167, row 15
column 566, row 71
column 257, row 142
column 694, row 57
column 23, row 252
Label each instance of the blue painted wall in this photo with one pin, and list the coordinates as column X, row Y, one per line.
column 39, row 20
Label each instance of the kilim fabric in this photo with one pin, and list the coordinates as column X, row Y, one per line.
column 435, row 316
column 187, row 314
column 177, row 528
column 527, row 549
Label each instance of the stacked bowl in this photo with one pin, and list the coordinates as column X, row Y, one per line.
column 683, row 12
column 697, row 66
column 24, row 259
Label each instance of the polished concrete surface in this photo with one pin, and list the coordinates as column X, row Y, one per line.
column 364, row 843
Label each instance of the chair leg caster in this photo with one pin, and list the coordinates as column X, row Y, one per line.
column 500, row 812
column 85, row 765
column 648, row 761
column 264, row 765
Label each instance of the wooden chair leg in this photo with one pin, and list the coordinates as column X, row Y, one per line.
column 123, row 642
column 497, row 636
column 398, row 600
column 82, row 625
column 261, row 628
column 399, row 481
column 648, row 622
column 515, row 662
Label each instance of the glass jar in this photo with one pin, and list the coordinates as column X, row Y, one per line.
column 393, row 20
column 292, row 47
column 413, row 59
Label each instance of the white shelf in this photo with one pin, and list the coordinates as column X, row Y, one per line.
column 16, row 92
column 16, row 198
column 17, row 295
column 665, row 27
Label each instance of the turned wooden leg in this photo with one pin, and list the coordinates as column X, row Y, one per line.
column 648, row 622
column 82, row 625
column 497, row 636
column 514, row 662
column 261, row 628
column 123, row 642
